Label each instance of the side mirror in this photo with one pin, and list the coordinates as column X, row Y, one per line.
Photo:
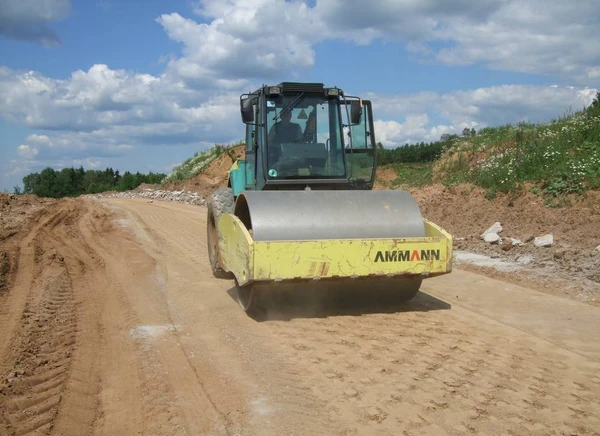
column 247, row 110
column 355, row 111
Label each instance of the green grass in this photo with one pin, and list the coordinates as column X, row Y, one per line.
column 412, row 174
column 561, row 157
column 196, row 164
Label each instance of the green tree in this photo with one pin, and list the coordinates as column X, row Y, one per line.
column 70, row 182
column 126, row 182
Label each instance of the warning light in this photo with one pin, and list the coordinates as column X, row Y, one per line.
column 274, row 90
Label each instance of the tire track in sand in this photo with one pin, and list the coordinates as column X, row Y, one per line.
column 416, row 369
column 175, row 389
column 224, row 345
column 38, row 365
column 423, row 371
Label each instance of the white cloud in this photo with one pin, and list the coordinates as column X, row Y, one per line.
column 592, row 73
column 533, row 36
column 537, row 36
column 103, row 114
column 495, row 104
column 245, row 40
column 239, row 41
column 393, row 132
column 408, row 20
column 476, row 108
column 116, row 107
column 100, row 112
column 415, row 128
column 88, row 164
column 14, row 167
column 27, row 19
column 39, row 139
column 26, row 151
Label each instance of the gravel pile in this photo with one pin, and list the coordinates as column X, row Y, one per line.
column 185, row 197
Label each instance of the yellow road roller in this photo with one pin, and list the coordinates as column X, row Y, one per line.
column 300, row 210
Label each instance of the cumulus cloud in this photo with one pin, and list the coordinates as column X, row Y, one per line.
column 534, row 36
column 240, row 40
column 38, row 139
column 245, row 40
column 229, row 46
column 476, row 108
column 27, row 151
column 409, row 20
column 490, row 105
column 411, row 130
column 103, row 114
column 27, row 20
column 537, row 36
column 110, row 113
column 115, row 105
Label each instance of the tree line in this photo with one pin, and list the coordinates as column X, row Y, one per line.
column 71, row 182
column 417, row 153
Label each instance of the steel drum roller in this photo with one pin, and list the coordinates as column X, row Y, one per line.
column 310, row 215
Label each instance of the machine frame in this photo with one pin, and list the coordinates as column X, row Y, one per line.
column 270, row 232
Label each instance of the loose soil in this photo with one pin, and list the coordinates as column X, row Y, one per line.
column 570, row 268
column 112, row 323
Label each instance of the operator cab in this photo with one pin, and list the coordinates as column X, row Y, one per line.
column 307, row 135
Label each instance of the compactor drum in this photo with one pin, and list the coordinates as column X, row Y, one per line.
column 299, row 209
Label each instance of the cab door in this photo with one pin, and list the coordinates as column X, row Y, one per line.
column 360, row 147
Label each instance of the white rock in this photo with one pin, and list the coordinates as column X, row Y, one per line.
column 495, row 228
column 516, row 241
column 492, row 238
column 598, row 248
column 544, row 241
column 526, row 259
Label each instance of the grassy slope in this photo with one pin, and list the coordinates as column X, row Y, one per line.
column 409, row 174
column 555, row 158
column 560, row 157
column 196, row 164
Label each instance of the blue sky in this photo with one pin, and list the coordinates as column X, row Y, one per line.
column 143, row 85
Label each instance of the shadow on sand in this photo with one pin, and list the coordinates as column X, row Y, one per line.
column 285, row 305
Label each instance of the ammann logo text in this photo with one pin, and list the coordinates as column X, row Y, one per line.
column 407, row 255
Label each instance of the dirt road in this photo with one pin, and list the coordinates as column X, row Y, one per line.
column 114, row 325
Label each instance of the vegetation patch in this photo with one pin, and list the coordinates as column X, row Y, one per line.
column 412, row 174
column 71, row 182
column 558, row 158
column 561, row 157
column 196, row 164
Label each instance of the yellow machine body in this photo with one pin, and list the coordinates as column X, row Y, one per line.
column 275, row 261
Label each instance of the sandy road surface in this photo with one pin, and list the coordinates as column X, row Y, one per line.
column 114, row 326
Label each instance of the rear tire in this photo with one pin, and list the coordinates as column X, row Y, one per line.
column 221, row 201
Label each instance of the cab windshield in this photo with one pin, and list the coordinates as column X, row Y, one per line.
column 304, row 137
